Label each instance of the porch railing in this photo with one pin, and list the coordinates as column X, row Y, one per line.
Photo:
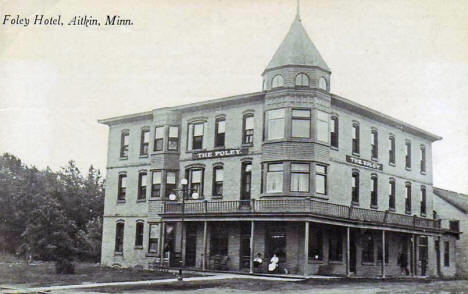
column 300, row 206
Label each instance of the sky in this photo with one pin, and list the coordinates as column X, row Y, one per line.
column 407, row 59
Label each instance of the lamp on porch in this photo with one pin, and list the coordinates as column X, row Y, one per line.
column 184, row 193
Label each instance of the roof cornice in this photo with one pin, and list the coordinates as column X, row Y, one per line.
column 378, row 116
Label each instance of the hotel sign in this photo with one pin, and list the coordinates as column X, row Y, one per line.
column 219, row 153
column 363, row 162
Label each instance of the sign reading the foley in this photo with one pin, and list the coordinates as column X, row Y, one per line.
column 363, row 162
column 219, row 153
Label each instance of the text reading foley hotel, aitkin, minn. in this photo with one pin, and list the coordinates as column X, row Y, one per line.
column 58, row 20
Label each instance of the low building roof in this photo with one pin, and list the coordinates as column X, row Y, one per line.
column 458, row 200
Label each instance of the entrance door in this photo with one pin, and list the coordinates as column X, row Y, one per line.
column 246, row 180
column 423, row 254
column 245, row 245
column 437, row 249
column 190, row 244
column 352, row 253
column 275, row 243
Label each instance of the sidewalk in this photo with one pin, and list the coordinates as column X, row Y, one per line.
column 142, row 283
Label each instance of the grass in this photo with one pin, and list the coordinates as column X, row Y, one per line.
column 15, row 272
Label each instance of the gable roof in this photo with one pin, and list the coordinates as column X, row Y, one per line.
column 458, row 200
column 297, row 49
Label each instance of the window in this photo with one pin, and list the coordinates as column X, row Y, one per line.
column 408, row 154
column 158, row 138
column 391, row 196
column 300, row 123
column 153, row 239
column 144, row 142
column 322, row 126
column 274, row 179
column 142, row 186
column 316, row 244
column 434, row 214
column 302, row 80
column 423, row 201
column 408, row 198
column 139, row 234
column 119, row 235
column 277, row 82
column 374, row 144
column 334, row 131
column 391, row 151
column 355, row 138
column 374, row 191
column 171, row 182
column 218, row 176
column 219, row 241
column 275, row 124
column 300, row 175
column 368, row 248
column 156, row 184
column 220, row 129
column 122, row 187
column 195, row 135
column 355, row 188
column 454, row 225
column 248, row 129
column 423, row 159
column 320, row 179
column 124, row 144
column 446, row 253
column 173, row 142
column 335, row 245
column 195, row 180
column 323, row 83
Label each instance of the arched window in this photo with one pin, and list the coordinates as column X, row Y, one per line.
column 423, row 201
column 248, row 129
column 355, row 140
column 220, row 129
column 408, row 198
column 124, row 143
column 119, row 236
column 302, row 80
column 277, row 82
column 218, row 178
column 374, row 193
column 391, row 194
column 139, row 234
column 323, row 83
column 355, row 188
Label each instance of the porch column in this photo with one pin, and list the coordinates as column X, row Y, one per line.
column 252, row 228
column 161, row 245
column 306, row 248
column 347, row 252
column 205, row 239
column 383, row 254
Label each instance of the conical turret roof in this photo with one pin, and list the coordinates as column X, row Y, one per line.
column 297, row 49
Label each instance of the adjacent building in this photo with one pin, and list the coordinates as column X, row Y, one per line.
column 326, row 184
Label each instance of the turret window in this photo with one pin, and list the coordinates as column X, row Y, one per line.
column 322, row 126
column 300, row 123
column 302, row 80
column 334, row 131
column 277, row 81
column 300, row 176
column 323, row 83
column 274, row 179
column 275, row 124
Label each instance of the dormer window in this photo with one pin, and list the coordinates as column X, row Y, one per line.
column 302, row 80
column 322, row 83
column 277, row 82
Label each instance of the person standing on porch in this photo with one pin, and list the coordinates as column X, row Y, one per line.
column 273, row 266
column 403, row 262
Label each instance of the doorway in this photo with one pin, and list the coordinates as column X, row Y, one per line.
column 190, row 244
column 352, row 252
column 275, row 242
column 245, row 245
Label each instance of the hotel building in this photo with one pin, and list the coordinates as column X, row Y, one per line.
column 330, row 186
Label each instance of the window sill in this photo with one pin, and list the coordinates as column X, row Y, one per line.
column 391, row 209
column 423, row 172
column 138, row 247
column 408, row 212
column 123, row 158
column 376, row 159
column 120, row 201
column 335, row 262
column 368, row 263
column 356, row 154
column 217, row 197
column 391, row 163
column 143, row 155
column 374, row 207
column 155, row 199
column 247, row 145
column 219, row 147
column 354, row 203
column 141, row 200
column 423, row 214
column 315, row 261
column 334, row 147
column 118, row 253
column 152, row 254
column 408, row 168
